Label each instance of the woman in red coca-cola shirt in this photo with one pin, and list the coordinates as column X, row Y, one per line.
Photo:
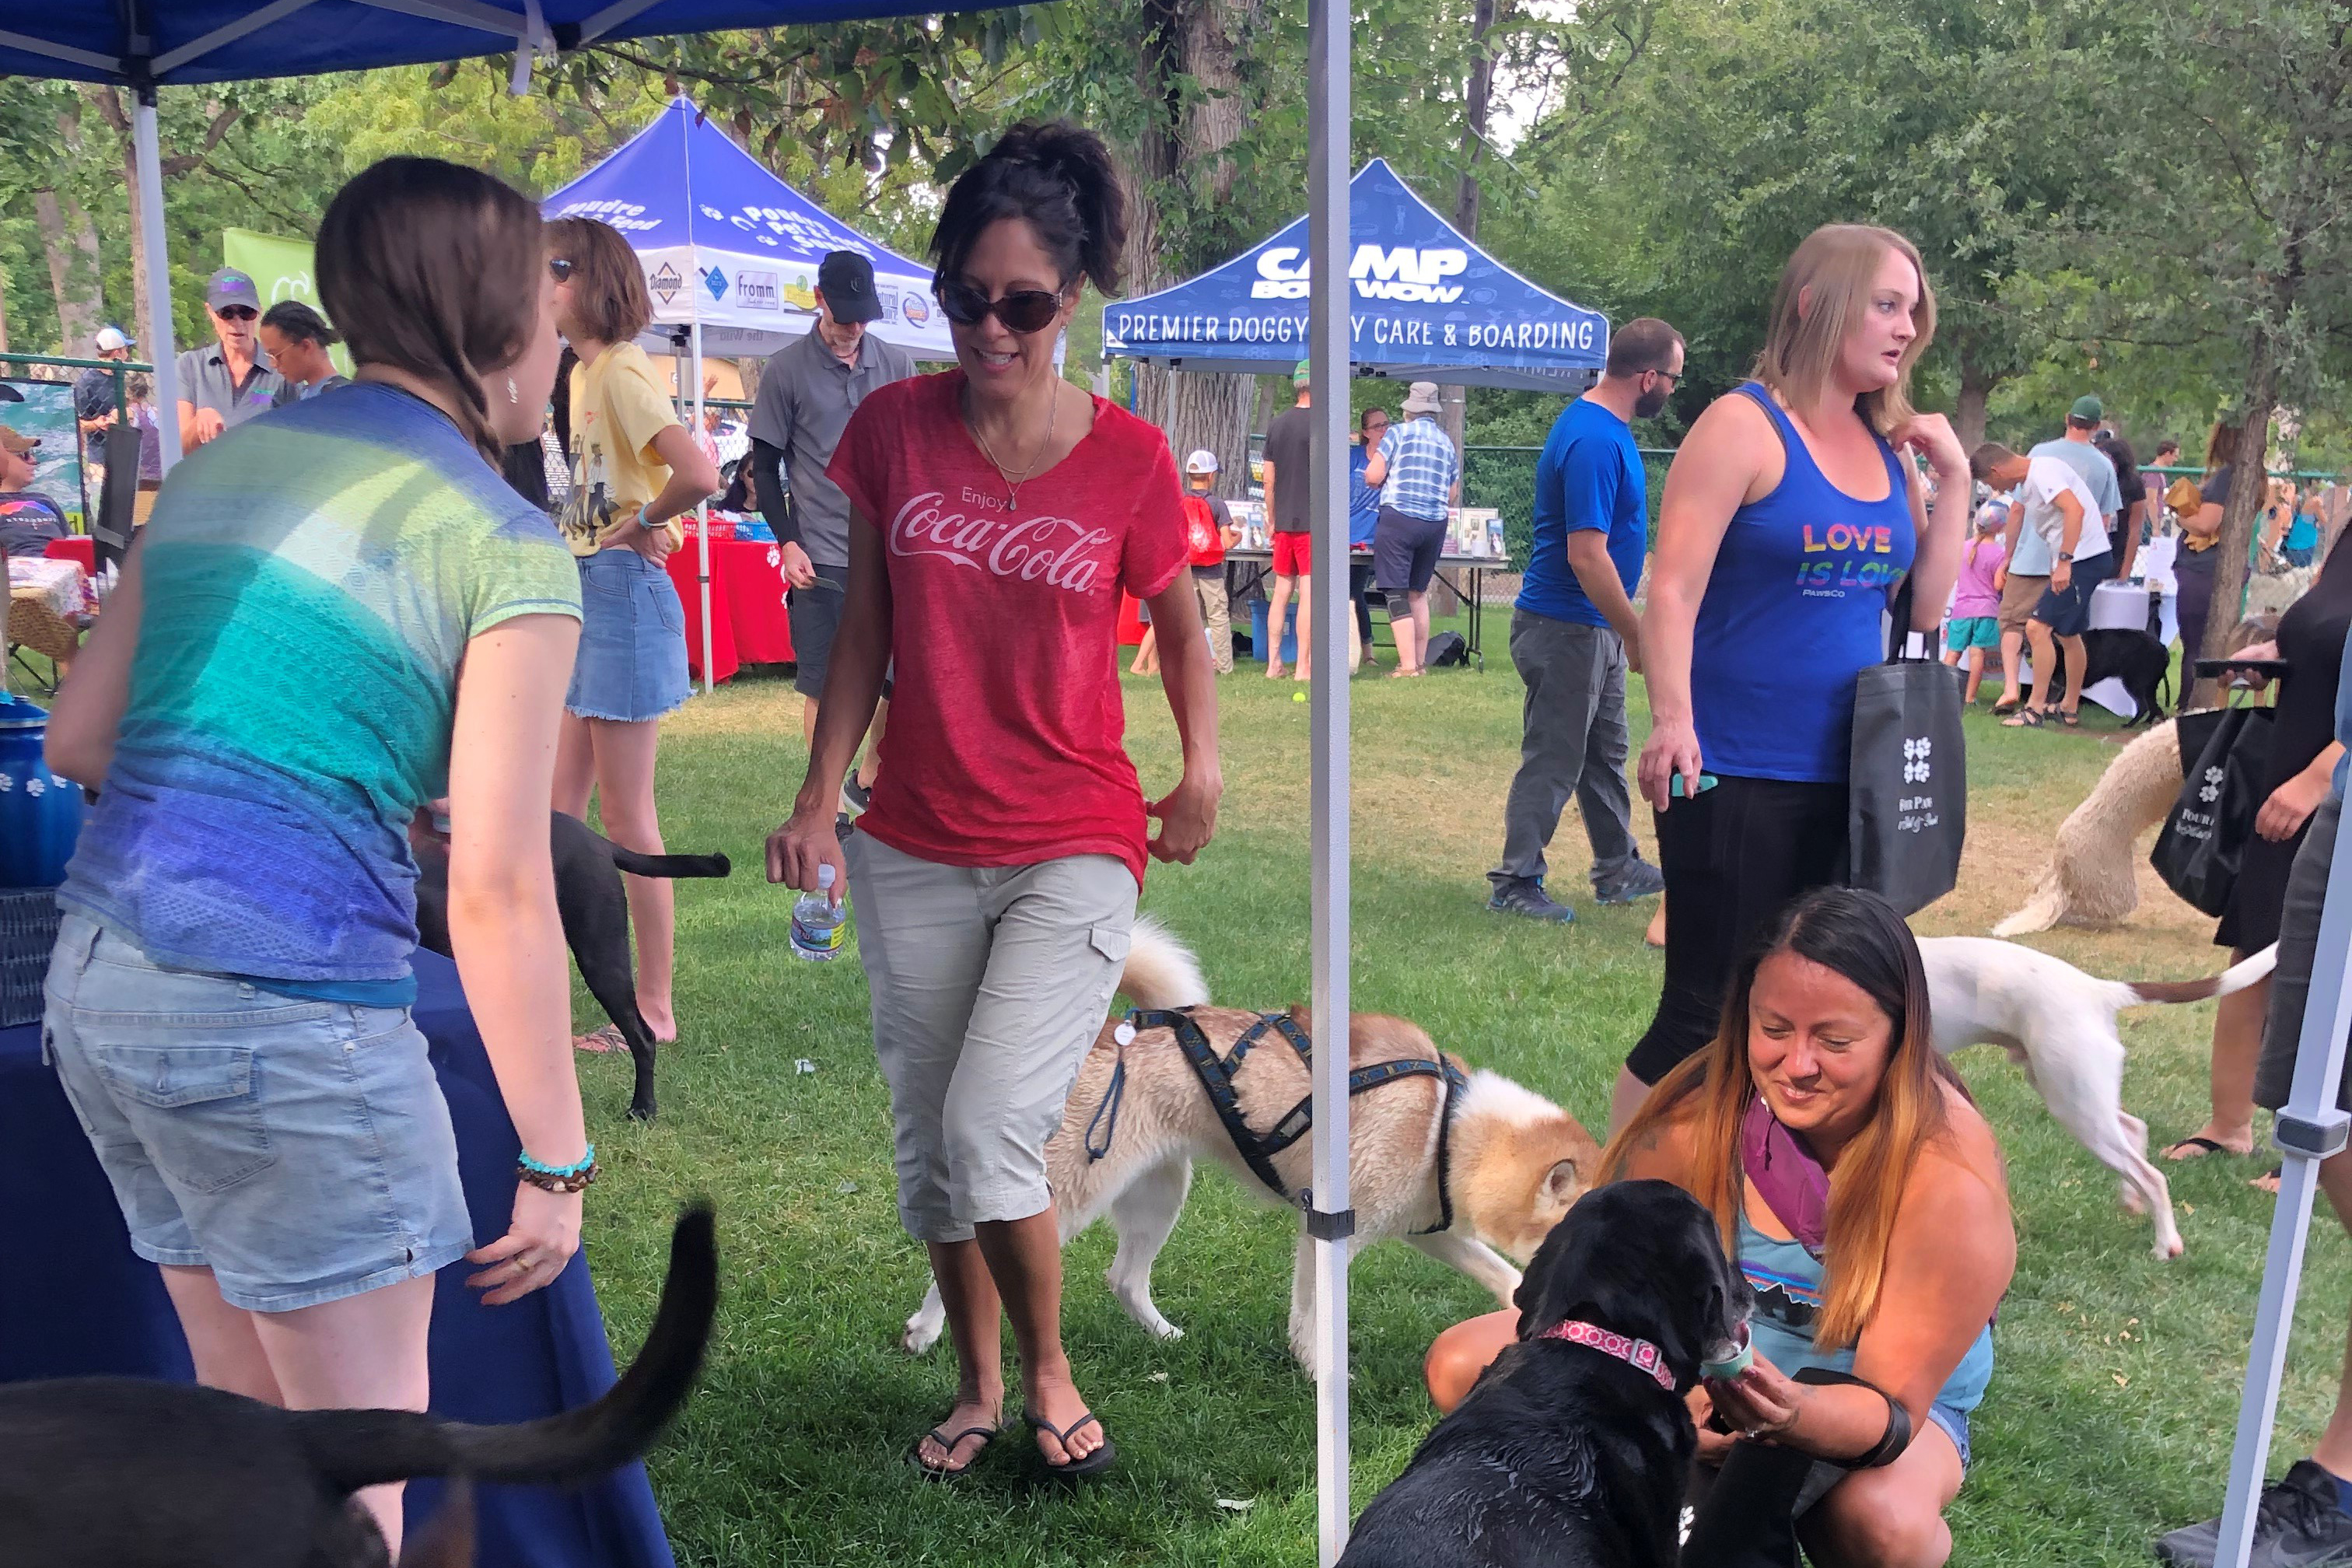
column 999, row 512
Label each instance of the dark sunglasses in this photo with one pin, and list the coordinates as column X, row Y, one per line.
column 559, row 268
column 237, row 314
column 1024, row 311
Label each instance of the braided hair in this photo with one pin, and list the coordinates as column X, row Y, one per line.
column 433, row 269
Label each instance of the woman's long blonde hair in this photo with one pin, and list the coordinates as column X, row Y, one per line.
column 1859, row 936
column 1823, row 292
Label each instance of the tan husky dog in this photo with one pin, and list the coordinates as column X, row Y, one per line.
column 1513, row 1161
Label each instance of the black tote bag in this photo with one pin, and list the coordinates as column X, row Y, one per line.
column 1909, row 775
column 2204, row 837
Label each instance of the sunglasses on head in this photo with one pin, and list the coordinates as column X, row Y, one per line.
column 1024, row 311
column 237, row 314
column 560, row 269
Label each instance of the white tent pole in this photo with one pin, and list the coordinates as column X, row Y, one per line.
column 702, row 513
column 158, row 325
column 1330, row 1219
column 2307, row 1131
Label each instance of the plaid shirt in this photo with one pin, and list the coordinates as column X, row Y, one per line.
column 1422, row 467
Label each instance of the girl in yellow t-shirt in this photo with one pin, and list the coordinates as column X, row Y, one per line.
column 634, row 471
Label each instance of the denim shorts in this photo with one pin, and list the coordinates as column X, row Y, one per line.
column 299, row 1150
column 632, row 658
column 1954, row 1423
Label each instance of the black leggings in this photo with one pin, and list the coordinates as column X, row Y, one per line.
column 1733, row 858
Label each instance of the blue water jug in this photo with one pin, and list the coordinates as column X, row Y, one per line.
column 40, row 813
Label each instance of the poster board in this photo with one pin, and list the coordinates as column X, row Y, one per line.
column 280, row 268
column 47, row 415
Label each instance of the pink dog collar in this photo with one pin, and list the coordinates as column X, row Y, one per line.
column 1639, row 1354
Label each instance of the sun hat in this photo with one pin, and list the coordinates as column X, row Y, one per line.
column 13, row 440
column 1201, row 461
column 1420, row 397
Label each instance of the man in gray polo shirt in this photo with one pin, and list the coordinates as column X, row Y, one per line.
column 222, row 386
column 806, row 395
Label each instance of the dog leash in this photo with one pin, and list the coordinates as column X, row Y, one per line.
column 1257, row 1149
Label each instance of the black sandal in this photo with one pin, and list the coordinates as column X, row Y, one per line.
column 2025, row 719
column 2206, row 1145
column 939, row 1435
column 1094, row 1464
column 2072, row 720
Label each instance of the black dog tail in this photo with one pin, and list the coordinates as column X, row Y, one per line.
column 671, row 865
column 354, row 1448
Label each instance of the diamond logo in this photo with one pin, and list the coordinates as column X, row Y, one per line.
column 665, row 282
column 714, row 280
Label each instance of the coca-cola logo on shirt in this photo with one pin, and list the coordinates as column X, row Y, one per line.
column 1059, row 551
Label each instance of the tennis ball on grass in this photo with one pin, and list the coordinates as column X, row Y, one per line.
column 1298, row 697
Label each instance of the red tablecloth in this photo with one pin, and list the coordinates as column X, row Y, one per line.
column 748, row 622
column 79, row 548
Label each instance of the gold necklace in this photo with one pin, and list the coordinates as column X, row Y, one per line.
column 1012, row 485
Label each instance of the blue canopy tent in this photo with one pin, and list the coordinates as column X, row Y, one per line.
column 731, row 251
column 144, row 44
column 1424, row 304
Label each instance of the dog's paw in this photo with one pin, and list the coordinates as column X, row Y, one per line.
column 2167, row 1249
column 919, row 1337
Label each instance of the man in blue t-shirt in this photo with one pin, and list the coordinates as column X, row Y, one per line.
column 1574, row 634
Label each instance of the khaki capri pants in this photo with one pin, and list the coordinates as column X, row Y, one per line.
column 988, row 985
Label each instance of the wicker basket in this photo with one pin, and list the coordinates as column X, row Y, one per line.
column 28, row 930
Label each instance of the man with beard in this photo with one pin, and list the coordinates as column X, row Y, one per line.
column 1574, row 634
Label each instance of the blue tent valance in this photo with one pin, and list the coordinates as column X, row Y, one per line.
column 134, row 43
column 1424, row 304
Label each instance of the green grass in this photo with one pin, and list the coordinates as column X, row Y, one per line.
column 2110, row 1413
column 2109, row 1416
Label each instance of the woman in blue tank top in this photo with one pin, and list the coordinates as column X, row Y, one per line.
column 1858, row 1189
column 1791, row 517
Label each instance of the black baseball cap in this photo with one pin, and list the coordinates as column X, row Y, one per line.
column 847, row 281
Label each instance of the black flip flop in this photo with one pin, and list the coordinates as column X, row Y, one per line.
column 939, row 1435
column 2205, row 1144
column 1094, row 1464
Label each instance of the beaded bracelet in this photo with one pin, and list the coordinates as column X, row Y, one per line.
column 541, row 1168
column 558, row 1181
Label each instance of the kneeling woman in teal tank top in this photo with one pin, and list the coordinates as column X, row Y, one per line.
column 1863, row 1195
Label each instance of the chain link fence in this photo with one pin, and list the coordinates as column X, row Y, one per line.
column 1504, row 477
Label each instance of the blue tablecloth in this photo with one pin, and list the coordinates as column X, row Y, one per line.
column 75, row 1300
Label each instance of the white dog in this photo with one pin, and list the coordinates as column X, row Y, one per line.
column 2059, row 1025
column 1513, row 1162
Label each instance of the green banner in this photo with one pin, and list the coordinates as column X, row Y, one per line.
column 280, row 270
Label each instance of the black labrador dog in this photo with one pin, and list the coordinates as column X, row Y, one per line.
column 595, row 905
column 1563, row 1454
column 2134, row 657
column 119, row 1472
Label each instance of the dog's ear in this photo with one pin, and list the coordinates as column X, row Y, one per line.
column 1562, row 1185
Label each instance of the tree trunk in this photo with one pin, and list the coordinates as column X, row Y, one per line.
column 73, row 270
column 1976, row 389
column 2249, row 472
column 1182, row 155
column 4, row 313
column 1477, row 102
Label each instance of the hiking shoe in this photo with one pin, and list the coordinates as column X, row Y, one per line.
column 1639, row 880
column 1526, row 896
column 2297, row 1524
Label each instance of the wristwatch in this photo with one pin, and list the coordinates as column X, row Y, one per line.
column 2064, row 556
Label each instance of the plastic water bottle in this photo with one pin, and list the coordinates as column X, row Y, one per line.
column 818, row 922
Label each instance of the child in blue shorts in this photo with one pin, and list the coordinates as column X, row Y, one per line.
column 1973, row 627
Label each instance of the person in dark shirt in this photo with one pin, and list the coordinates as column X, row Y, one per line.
column 28, row 520
column 1288, row 453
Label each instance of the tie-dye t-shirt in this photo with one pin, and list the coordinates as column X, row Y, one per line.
column 312, row 580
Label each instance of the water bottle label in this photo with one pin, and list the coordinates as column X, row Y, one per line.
column 817, row 941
